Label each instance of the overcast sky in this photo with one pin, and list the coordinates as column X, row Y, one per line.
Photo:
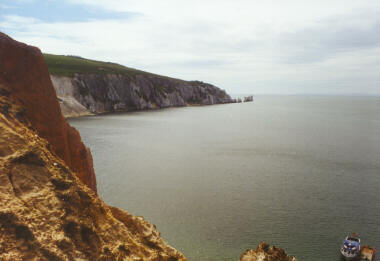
column 243, row 46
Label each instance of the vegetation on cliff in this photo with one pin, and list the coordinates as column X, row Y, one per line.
column 68, row 65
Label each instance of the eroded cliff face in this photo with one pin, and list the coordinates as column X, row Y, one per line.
column 48, row 211
column 48, row 214
column 24, row 78
column 97, row 93
column 266, row 253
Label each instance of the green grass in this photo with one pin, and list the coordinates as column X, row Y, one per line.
column 63, row 65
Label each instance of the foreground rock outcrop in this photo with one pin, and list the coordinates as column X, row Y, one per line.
column 96, row 90
column 25, row 79
column 266, row 253
column 49, row 211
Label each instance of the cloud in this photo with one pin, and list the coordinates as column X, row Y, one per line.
column 332, row 37
column 242, row 46
column 59, row 11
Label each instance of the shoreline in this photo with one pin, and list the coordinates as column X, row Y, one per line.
column 142, row 110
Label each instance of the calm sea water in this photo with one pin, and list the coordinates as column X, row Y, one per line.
column 298, row 172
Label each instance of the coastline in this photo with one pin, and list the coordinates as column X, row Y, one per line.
column 136, row 110
column 51, row 207
column 107, row 93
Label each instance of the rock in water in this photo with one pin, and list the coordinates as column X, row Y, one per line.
column 265, row 253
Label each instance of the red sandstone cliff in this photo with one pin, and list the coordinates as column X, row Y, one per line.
column 24, row 74
column 46, row 212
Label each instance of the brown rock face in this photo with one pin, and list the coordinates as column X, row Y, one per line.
column 24, row 75
column 266, row 253
column 46, row 212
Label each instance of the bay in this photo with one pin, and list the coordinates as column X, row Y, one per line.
column 300, row 172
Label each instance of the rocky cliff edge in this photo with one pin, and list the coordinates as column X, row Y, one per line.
column 25, row 79
column 49, row 207
column 88, row 87
column 48, row 214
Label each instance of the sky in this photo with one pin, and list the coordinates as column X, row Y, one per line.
column 329, row 47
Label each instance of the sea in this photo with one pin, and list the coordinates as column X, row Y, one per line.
column 299, row 172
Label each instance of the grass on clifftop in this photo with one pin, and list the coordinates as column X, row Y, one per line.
column 67, row 65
